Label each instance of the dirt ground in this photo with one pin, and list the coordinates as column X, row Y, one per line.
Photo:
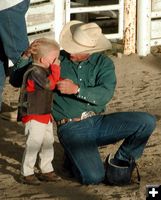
column 138, row 89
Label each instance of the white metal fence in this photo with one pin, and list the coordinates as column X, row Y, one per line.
column 64, row 10
column 148, row 25
column 47, row 17
column 40, row 18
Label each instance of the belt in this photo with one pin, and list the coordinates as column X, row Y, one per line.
column 84, row 115
column 65, row 120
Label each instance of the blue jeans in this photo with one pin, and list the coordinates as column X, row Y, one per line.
column 13, row 37
column 82, row 139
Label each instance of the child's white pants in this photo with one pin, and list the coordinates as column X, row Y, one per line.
column 40, row 140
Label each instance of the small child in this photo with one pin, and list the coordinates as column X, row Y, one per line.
column 34, row 110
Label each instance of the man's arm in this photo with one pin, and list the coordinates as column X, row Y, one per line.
column 100, row 94
column 18, row 70
column 20, row 67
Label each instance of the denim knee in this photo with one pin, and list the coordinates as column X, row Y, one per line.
column 150, row 121
column 93, row 177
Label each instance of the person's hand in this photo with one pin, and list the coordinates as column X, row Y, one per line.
column 32, row 49
column 67, row 86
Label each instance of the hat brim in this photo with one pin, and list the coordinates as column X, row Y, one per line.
column 69, row 45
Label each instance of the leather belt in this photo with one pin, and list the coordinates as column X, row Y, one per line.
column 84, row 115
column 65, row 120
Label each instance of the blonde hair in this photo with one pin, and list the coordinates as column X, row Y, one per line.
column 44, row 46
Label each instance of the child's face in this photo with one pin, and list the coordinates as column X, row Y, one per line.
column 51, row 58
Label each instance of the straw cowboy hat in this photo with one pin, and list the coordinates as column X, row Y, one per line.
column 79, row 37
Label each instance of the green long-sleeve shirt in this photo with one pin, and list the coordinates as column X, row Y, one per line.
column 97, row 80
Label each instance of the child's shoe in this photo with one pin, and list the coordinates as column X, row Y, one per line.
column 30, row 180
column 49, row 177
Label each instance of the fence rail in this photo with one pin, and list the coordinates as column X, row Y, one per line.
column 40, row 18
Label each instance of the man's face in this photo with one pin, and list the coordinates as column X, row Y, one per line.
column 79, row 57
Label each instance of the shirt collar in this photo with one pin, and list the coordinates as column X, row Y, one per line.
column 92, row 59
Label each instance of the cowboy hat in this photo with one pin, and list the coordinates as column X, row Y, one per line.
column 79, row 37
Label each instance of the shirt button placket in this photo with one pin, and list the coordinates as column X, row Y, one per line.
column 79, row 73
column 80, row 79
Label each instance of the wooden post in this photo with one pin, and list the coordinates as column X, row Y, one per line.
column 129, row 26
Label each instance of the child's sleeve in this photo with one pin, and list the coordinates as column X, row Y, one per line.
column 54, row 76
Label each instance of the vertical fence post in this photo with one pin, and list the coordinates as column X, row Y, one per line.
column 129, row 26
column 59, row 17
column 121, row 18
column 143, row 27
column 67, row 10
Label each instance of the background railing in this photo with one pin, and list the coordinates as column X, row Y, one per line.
column 119, row 19
column 40, row 19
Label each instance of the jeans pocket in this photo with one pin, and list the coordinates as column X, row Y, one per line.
column 60, row 130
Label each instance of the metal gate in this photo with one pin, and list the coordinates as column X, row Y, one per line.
column 64, row 9
column 148, row 25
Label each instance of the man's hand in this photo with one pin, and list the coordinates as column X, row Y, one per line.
column 67, row 86
column 32, row 49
